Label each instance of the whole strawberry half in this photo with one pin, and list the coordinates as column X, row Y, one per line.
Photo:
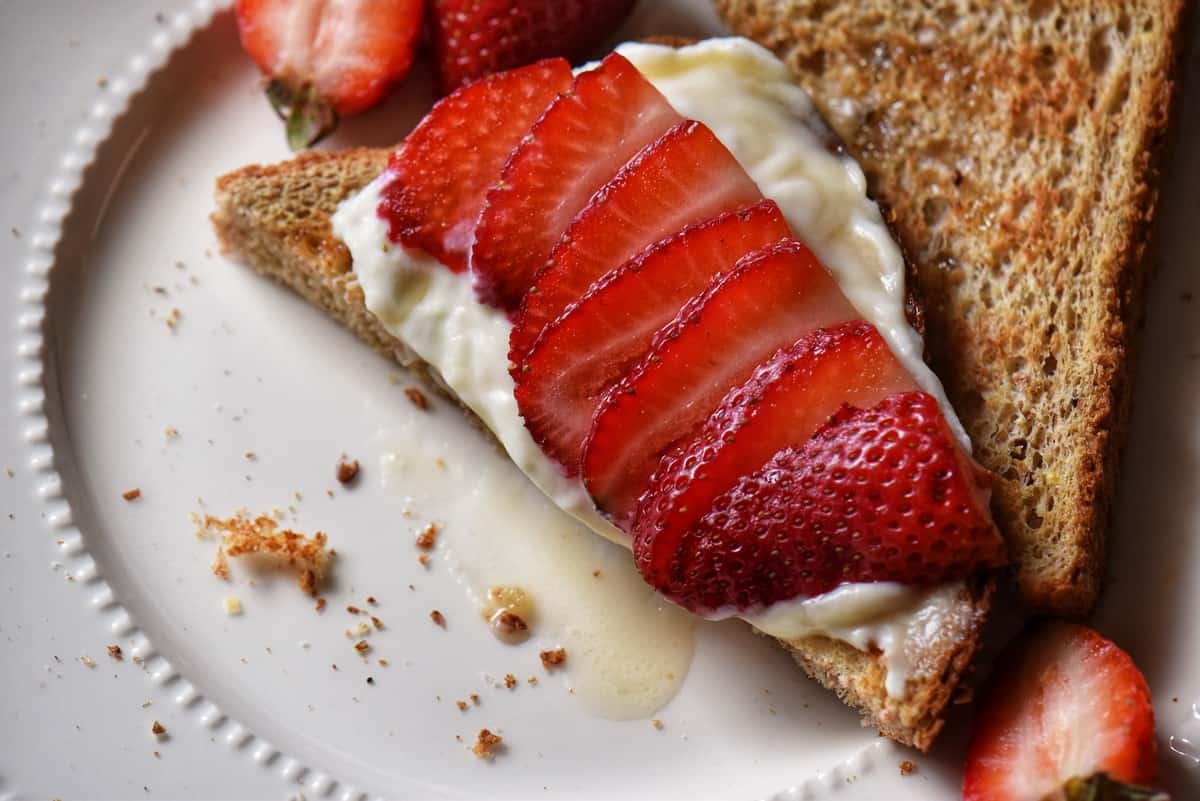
column 1066, row 717
column 324, row 59
column 876, row 494
column 472, row 38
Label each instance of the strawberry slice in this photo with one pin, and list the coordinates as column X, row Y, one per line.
column 600, row 337
column 440, row 176
column 587, row 134
column 876, row 494
column 784, row 402
column 771, row 298
column 472, row 38
column 684, row 177
column 1066, row 715
column 328, row 59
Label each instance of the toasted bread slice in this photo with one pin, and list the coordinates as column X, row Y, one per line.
column 276, row 219
column 1015, row 146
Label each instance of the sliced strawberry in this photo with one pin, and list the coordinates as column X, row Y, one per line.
column 782, row 405
column 767, row 302
column 587, row 134
column 326, row 59
column 440, row 176
column 472, row 38
column 684, row 177
column 876, row 494
column 1065, row 706
column 598, row 339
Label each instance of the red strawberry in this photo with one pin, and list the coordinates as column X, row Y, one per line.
column 599, row 338
column 876, row 494
column 472, row 38
column 440, row 176
column 767, row 302
column 683, row 178
column 1065, row 707
column 784, row 402
column 325, row 59
column 587, row 134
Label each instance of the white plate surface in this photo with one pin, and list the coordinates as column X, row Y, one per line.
column 249, row 369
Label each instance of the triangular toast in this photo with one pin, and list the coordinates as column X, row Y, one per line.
column 1016, row 146
column 276, row 219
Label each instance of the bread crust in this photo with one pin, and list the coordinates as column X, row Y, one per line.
column 276, row 219
column 1017, row 150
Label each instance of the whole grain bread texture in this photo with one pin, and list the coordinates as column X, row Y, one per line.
column 1015, row 146
column 276, row 219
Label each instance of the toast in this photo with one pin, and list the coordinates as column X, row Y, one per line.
column 1016, row 148
column 276, row 219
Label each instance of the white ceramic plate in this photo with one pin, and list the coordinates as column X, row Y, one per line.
column 122, row 238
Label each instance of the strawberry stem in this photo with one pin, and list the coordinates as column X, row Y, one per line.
column 307, row 118
column 1101, row 788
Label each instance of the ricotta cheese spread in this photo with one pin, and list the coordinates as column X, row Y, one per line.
column 749, row 100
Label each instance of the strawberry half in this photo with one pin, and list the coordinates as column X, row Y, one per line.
column 682, row 178
column 328, row 59
column 1066, row 714
column 787, row 399
column 440, row 176
column 588, row 133
column 472, row 38
column 600, row 337
column 876, row 494
column 770, row 299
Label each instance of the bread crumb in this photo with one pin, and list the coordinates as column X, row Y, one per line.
column 532, row 680
column 510, row 680
column 553, row 657
column 115, row 652
column 220, row 567
column 132, row 494
column 347, row 470
column 171, row 432
column 462, row 706
column 362, row 646
column 320, row 605
column 371, row 600
column 907, row 767
column 354, row 610
column 172, row 319
column 384, row 662
column 157, row 729
column 427, row 537
column 233, row 605
column 486, row 744
column 438, row 618
column 377, row 623
column 656, row 723
column 417, row 398
column 474, row 698
column 243, row 535
column 595, row 574
column 424, row 560
column 87, row 661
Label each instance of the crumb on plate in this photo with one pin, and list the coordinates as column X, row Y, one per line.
column 417, row 398
column 115, row 652
column 241, row 535
column 553, row 657
column 907, row 767
column 132, row 494
column 486, row 744
column 427, row 537
column 157, row 729
column 438, row 618
column 347, row 470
